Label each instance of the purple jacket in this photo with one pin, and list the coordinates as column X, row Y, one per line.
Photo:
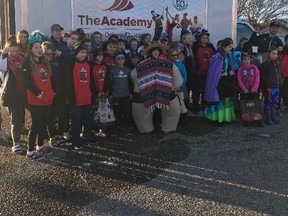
column 213, row 77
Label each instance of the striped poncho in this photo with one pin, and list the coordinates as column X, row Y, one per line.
column 155, row 83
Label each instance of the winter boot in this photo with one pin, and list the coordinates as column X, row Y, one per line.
column 274, row 117
column 268, row 117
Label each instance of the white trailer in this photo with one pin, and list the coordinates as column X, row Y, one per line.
column 123, row 16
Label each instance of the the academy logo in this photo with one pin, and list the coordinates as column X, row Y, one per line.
column 120, row 5
column 180, row 5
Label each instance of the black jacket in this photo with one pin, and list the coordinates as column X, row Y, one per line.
column 264, row 42
column 270, row 75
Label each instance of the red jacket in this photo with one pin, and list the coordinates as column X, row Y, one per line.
column 42, row 81
column 81, row 79
column 285, row 65
column 203, row 57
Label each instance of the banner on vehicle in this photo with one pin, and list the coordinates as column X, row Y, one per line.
column 136, row 17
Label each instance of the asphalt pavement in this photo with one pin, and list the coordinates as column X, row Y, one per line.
column 202, row 169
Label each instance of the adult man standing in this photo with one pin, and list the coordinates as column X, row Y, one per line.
column 158, row 24
column 57, row 40
column 265, row 41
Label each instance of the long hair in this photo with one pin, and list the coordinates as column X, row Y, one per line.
column 33, row 63
column 271, row 49
column 23, row 31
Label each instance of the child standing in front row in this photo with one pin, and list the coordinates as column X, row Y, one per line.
column 78, row 76
column 271, row 81
column 248, row 77
column 121, row 93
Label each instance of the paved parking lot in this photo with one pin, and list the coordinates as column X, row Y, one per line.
column 203, row 169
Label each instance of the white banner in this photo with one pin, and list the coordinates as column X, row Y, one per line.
column 137, row 17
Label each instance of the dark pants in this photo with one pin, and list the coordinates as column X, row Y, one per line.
column 284, row 91
column 198, row 92
column 122, row 108
column 81, row 116
column 17, row 115
column 59, row 114
column 157, row 33
column 40, row 118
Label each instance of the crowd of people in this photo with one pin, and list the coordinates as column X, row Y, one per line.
column 150, row 83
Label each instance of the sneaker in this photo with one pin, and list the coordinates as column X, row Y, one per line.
column 61, row 142
column 200, row 114
column 17, row 149
column 91, row 141
column 66, row 135
column 35, row 155
column 191, row 114
column 128, row 132
column 44, row 150
column 4, row 135
column 53, row 141
column 78, row 148
column 100, row 133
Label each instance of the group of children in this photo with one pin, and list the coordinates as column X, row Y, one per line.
column 59, row 80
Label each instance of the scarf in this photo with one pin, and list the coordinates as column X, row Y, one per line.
column 15, row 66
column 155, row 83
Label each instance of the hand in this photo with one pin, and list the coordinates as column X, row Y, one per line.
column 224, row 74
column 40, row 95
column 231, row 73
column 8, row 50
column 246, row 91
column 57, row 53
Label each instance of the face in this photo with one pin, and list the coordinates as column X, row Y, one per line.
column 173, row 56
column 13, row 51
column 99, row 58
column 179, row 48
column 121, row 46
column 36, row 50
column 111, row 49
column 155, row 53
column 72, row 40
column 204, row 39
column 98, row 38
column 133, row 45
column 273, row 55
column 228, row 49
column 120, row 61
column 48, row 54
column 57, row 33
column 188, row 39
column 147, row 39
column 274, row 30
column 246, row 60
column 280, row 48
column 23, row 38
column 88, row 46
column 134, row 60
column 81, row 55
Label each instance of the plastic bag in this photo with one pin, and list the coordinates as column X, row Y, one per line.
column 104, row 113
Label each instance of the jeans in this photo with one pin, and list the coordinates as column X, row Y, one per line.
column 17, row 115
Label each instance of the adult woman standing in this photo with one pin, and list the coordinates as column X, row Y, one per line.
column 155, row 82
column 40, row 95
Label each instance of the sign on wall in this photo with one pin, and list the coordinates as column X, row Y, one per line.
column 136, row 17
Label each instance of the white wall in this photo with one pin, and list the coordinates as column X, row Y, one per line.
column 41, row 14
column 222, row 19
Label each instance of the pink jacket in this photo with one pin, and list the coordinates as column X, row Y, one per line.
column 248, row 78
